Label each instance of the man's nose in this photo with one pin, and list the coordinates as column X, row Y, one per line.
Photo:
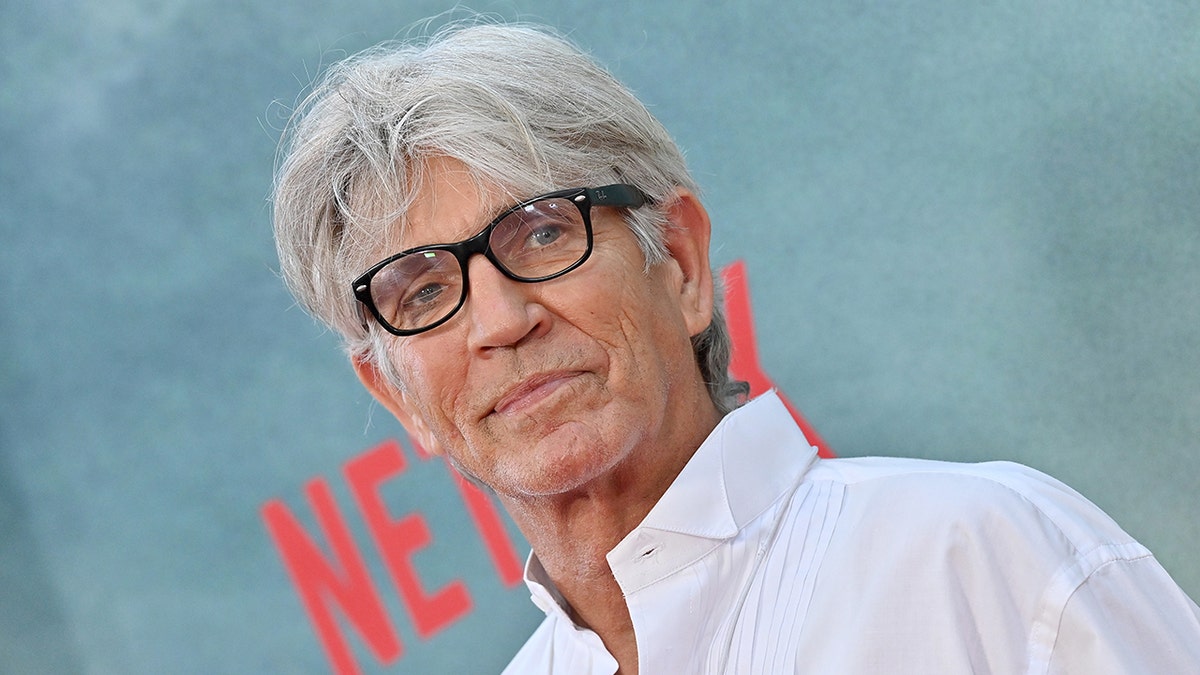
column 502, row 312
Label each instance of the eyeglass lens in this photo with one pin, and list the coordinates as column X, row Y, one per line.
column 531, row 242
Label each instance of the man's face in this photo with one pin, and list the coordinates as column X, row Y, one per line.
column 540, row 389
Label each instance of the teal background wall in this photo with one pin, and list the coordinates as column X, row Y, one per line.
column 971, row 232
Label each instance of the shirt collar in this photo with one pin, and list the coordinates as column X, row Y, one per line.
column 750, row 459
column 542, row 590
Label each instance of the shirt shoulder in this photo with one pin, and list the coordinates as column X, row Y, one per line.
column 983, row 558
column 992, row 498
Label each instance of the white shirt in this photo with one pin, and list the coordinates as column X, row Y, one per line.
column 761, row 558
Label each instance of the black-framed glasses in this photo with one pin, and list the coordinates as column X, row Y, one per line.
column 537, row 240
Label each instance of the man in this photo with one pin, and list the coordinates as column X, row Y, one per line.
column 516, row 256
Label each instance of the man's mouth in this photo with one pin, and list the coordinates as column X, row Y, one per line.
column 533, row 390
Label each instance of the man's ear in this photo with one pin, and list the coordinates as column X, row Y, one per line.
column 396, row 403
column 687, row 239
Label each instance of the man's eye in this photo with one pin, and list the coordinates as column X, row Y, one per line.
column 544, row 235
column 423, row 296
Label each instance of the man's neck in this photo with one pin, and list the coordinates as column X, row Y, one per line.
column 573, row 554
column 572, row 534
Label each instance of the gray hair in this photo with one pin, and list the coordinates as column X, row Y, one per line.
column 524, row 110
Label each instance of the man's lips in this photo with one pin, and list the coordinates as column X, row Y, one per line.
column 532, row 390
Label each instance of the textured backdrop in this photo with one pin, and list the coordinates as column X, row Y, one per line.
column 970, row 231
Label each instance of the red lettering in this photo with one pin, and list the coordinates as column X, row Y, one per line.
column 487, row 520
column 491, row 529
column 744, row 364
column 346, row 581
column 399, row 539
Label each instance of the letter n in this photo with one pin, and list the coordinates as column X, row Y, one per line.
column 344, row 580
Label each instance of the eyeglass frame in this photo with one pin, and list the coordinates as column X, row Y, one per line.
column 617, row 195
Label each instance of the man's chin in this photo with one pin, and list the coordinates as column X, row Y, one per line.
column 554, row 464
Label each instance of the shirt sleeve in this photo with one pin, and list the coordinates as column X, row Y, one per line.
column 1125, row 615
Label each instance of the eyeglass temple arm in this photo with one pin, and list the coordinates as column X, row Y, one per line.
column 617, row 195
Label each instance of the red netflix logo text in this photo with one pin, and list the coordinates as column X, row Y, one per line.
column 340, row 582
